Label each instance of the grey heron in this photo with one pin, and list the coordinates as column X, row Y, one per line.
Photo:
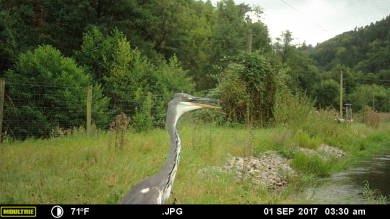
column 157, row 188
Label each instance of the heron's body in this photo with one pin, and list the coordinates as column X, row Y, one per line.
column 157, row 188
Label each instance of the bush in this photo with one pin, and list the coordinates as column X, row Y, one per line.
column 292, row 110
column 322, row 124
column 296, row 112
column 45, row 91
column 370, row 117
column 119, row 127
column 247, row 88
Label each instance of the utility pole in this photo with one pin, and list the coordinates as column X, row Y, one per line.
column 250, row 40
column 341, row 94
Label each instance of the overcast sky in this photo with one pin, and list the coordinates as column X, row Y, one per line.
column 315, row 21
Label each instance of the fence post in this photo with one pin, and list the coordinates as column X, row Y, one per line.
column 89, row 110
column 2, row 91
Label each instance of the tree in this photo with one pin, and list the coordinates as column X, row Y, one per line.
column 375, row 96
column 49, row 91
column 128, row 77
column 327, row 94
column 303, row 74
column 283, row 45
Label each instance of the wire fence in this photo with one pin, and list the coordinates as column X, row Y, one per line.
column 40, row 110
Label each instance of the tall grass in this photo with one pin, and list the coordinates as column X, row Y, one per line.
column 79, row 169
column 312, row 164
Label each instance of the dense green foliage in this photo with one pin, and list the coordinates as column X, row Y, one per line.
column 247, row 88
column 133, row 84
column 138, row 53
column 47, row 91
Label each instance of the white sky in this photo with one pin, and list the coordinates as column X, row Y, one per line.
column 315, row 21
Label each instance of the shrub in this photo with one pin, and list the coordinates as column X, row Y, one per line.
column 247, row 87
column 322, row 124
column 292, row 110
column 370, row 117
column 296, row 112
column 119, row 127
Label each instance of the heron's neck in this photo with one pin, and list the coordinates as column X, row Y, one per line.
column 170, row 166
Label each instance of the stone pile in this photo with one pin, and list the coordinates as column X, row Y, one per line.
column 325, row 151
column 270, row 170
column 337, row 153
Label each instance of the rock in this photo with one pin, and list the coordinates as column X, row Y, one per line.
column 336, row 152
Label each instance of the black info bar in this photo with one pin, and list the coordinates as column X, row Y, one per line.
column 129, row 211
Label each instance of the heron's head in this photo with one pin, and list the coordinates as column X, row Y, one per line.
column 182, row 103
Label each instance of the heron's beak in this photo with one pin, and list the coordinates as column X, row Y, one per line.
column 205, row 100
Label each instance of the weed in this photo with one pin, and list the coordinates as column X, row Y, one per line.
column 370, row 117
column 119, row 127
column 373, row 195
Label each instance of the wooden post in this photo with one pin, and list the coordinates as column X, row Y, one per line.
column 2, row 91
column 341, row 94
column 89, row 110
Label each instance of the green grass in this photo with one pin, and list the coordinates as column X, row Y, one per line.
column 312, row 164
column 302, row 139
column 80, row 169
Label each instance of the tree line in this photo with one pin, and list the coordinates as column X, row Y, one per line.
column 137, row 53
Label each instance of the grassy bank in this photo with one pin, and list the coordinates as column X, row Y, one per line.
column 80, row 169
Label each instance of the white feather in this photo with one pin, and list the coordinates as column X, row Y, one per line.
column 182, row 108
column 145, row 190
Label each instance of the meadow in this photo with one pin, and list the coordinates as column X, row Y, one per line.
column 81, row 169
